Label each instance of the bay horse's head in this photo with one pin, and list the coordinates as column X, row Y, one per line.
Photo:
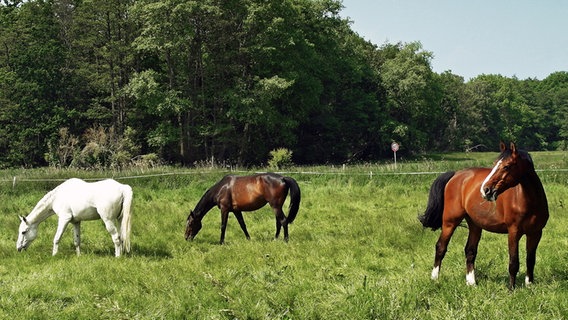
column 26, row 234
column 507, row 171
column 192, row 227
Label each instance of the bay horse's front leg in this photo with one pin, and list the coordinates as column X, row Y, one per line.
column 77, row 237
column 471, row 252
column 532, row 243
column 514, row 237
column 241, row 220
column 61, row 225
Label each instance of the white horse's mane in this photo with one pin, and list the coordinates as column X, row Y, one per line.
column 42, row 205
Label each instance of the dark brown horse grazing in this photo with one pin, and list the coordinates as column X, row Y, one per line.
column 247, row 193
column 509, row 198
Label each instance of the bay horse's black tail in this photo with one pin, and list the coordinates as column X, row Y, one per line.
column 295, row 197
column 432, row 217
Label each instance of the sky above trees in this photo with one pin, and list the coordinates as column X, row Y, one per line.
column 526, row 39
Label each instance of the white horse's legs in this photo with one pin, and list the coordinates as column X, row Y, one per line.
column 77, row 237
column 61, row 225
column 115, row 235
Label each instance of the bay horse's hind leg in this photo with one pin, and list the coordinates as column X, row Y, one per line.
column 224, row 220
column 442, row 248
column 532, row 244
column 281, row 222
column 241, row 220
column 278, row 227
column 514, row 237
column 471, row 252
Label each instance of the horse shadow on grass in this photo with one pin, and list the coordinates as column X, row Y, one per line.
column 544, row 277
column 155, row 252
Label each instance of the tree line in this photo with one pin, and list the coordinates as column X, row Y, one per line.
column 105, row 82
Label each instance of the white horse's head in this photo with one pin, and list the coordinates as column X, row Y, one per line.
column 26, row 234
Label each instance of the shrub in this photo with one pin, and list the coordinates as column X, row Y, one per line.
column 102, row 148
column 61, row 154
column 149, row 160
column 280, row 158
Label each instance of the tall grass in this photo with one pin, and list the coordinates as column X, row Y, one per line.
column 356, row 251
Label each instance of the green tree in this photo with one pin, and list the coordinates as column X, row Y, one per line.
column 413, row 98
column 100, row 34
column 459, row 124
column 31, row 65
column 552, row 103
column 505, row 112
column 178, row 34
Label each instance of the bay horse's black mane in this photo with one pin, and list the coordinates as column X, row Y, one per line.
column 207, row 201
column 506, row 154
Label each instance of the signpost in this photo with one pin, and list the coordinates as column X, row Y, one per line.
column 394, row 148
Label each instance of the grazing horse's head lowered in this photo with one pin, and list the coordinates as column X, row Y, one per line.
column 26, row 234
column 192, row 227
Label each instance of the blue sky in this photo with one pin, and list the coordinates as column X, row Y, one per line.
column 523, row 38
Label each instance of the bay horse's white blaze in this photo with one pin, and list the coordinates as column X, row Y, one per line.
column 75, row 201
column 489, row 176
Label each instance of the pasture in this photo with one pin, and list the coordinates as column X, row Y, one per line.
column 356, row 251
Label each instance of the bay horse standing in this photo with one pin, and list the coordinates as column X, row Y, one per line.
column 508, row 198
column 247, row 193
column 75, row 201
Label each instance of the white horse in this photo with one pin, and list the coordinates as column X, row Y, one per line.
column 76, row 200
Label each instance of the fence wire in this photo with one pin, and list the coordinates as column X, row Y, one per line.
column 14, row 180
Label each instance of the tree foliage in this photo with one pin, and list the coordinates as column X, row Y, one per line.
column 221, row 80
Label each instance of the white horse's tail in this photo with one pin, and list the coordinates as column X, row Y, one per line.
column 126, row 217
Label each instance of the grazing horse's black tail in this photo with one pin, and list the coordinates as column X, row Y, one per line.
column 432, row 217
column 295, row 197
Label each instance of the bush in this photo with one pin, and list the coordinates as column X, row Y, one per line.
column 61, row 154
column 150, row 160
column 280, row 158
column 102, row 148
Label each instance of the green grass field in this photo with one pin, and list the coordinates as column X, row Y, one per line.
column 356, row 251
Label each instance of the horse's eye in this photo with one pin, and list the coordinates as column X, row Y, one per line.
column 507, row 167
column 24, row 232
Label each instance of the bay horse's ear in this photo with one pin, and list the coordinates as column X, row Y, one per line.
column 502, row 146
column 513, row 147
